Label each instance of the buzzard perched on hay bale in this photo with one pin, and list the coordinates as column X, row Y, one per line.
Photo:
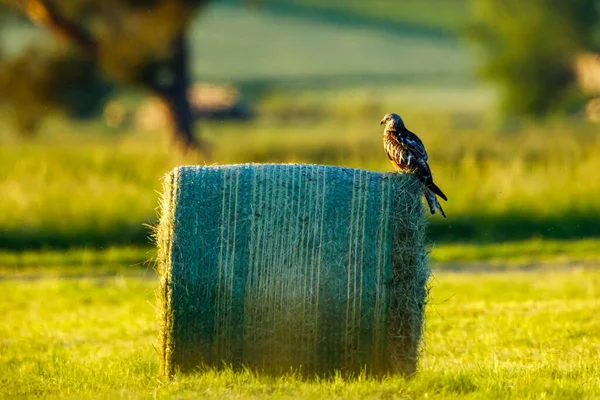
column 407, row 153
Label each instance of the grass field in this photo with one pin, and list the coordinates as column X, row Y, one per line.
column 96, row 190
column 507, row 256
column 330, row 45
column 491, row 335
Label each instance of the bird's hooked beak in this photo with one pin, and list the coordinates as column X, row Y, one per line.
column 382, row 122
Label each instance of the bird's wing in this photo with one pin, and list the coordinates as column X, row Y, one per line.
column 407, row 152
column 404, row 151
column 422, row 171
column 415, row 145
column 415, row 156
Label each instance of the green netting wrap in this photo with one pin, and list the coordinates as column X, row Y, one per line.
column 291, row 267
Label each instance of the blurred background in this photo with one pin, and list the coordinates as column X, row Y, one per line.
column 98, row 100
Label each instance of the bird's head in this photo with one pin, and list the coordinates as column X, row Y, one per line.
column 392, row 121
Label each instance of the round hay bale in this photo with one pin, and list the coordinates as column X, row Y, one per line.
column 307, row 268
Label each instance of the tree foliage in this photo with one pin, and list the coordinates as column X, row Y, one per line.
column 530, row 48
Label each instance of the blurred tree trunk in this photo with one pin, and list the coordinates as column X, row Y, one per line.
column 170, row 81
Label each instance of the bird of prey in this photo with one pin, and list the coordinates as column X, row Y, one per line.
column 406, row 151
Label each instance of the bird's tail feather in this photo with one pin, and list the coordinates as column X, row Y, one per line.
column 433, row 187
column 433, row 202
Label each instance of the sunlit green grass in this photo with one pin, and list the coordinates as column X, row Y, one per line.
column 534, row 253
column 507, row 255
column 505, row 335
column 97, row 190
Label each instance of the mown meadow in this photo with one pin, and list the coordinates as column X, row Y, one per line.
column 503, row 335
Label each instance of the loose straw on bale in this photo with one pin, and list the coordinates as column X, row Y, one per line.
column 291, row 267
